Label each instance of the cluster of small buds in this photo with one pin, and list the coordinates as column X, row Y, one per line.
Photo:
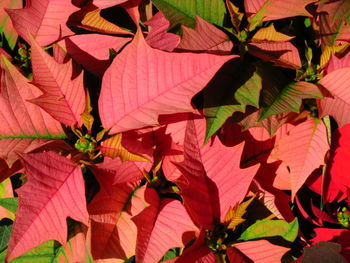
column 215, row 240
column 86, row 144
column 344, row 217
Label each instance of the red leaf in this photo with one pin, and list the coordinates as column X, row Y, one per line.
column 64, row 96
column 44, row 19
column 338, row 83
column 114, row 234
column 261, row 251
column 152, row 82
column 213, row 180
column 27, row 126
column 205, row 37
column 53, row 193
column 340, row 158
column 164, row 224
column 283, row 54
column 158, row 37
column 303, row 150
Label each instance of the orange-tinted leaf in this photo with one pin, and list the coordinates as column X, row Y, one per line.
column 88, row 119
column 234, row 216
column 93, row 21
column 113, row 148
column 270, row 34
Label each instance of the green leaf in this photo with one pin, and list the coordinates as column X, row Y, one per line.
column 5, row 234
column 172, row 253
column 183, row 11
column 289, row 98
column 10, row 204
column 47, row 252
column 270, row 228
column 224, row 105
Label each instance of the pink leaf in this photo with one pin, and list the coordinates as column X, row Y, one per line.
column 64, row 96
column 44, row 19
column 164, row 224
column 53, row 193
column 338, row 63
column 283, row 54
column 303, row 150
column 338, row 83
column 107, row 3
column 92, row 50
column 213, row 180
column 261, row 251
column 143, row 83
column 27, row 126
column 158, row 37
column 205, row 37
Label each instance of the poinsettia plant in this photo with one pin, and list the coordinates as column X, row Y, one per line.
column 174, row 130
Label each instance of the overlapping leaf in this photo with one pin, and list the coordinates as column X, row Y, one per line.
column 283, row 54
column 184, row 11
column 244, row 94
column 158, row 37
column 205, row 37
column 6, row 25
column 43, row 19
column 143, row 83
column 303, row 150
column 51, row 189
column 213, row 180
column 261, row 251
column 92, row 50
column 64, row 96
column 338, row 83
column 265, row 10
column 27, row 127
column 93, row 21
column 290, row 98
column 162, row 225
